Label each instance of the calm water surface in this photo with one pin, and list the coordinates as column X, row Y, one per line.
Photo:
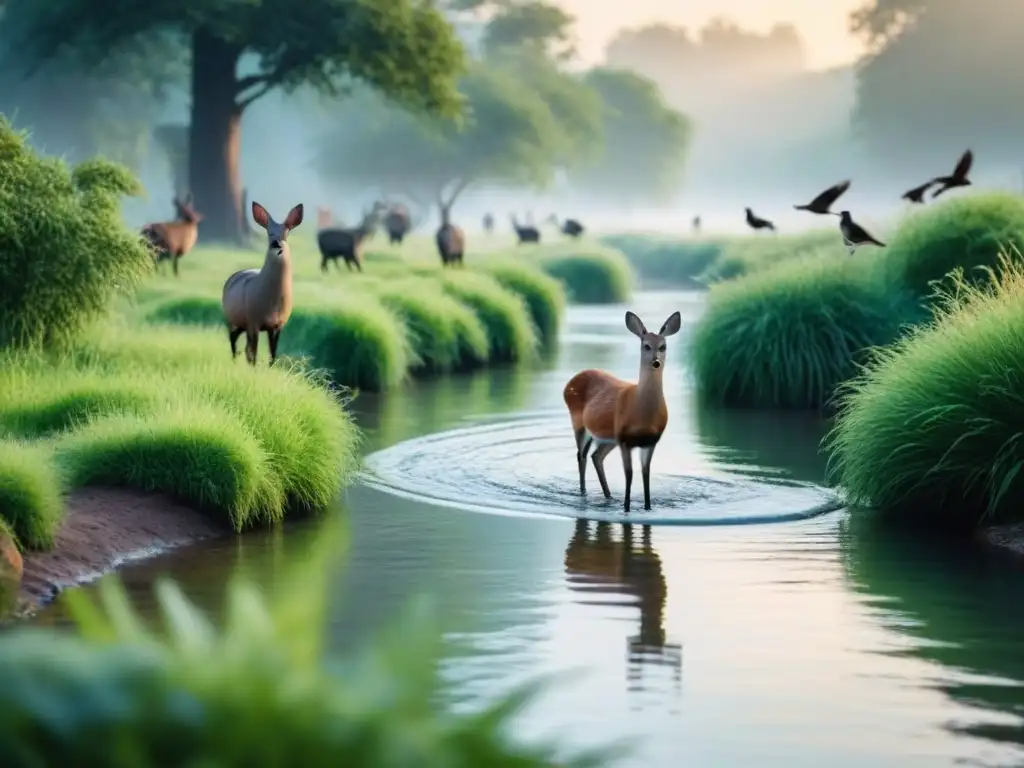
column 794, row 643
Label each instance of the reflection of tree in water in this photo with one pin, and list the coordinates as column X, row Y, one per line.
column 596, row 562
column 964, row 611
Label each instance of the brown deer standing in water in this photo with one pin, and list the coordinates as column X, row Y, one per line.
column 611, row 412
column 170, row 240
column 596, row 562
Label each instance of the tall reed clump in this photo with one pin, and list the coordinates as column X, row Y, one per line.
column 543, row 295
column 66, row 251
column 504, row 315
column 931, row 432
column 595, row 276
column 258, row 690
column 787, row 336
column 741, row 256
column 965, row 232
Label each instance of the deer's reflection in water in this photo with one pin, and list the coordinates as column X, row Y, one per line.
column 596, row 562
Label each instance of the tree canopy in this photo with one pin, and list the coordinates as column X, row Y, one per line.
column 943, row 77
column 540, row 28
column 510, row 134
column 643, row 154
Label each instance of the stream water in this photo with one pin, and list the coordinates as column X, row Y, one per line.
column 741, row 629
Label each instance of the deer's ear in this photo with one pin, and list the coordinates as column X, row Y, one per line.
column 294, row 217
column 671, row 325
column 635, row 325
column 260, row 215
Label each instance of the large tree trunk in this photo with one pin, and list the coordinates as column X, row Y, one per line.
column 215, row 139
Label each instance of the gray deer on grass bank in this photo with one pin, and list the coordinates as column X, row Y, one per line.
column 256, row 300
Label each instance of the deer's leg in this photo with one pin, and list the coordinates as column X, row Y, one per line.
column 273, row 336
column 323, row 264
column 583, row 443
column 602, row 450
column 627, row 470
column 233, row 334
column 252, row 343
column 645, row 471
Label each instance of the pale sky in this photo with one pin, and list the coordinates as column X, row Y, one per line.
column 822, row 23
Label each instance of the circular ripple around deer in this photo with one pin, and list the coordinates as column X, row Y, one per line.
column 527, row 465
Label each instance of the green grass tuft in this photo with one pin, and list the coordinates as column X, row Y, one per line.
column 504, row 315
column 66, row 252
column 596, row 276
column 30, row 494
column 787, row 336
column 746, row 255
column 162, row 408
column 252, row 688
column 543, row 296
column 967, row 232
column 932, row 432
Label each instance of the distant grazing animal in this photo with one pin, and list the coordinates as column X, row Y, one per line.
column 340, row 243
column 959, row 176
column 569, row 227
column 854, row 234
column 488, row 223
column 450, row 239
column 527, row 233
column 823, row 202
column 170, row 240
column 611, row 412
column 256, row 300
column 756, row 222
column 696, row 224
column 398, row 223
column 916, row 195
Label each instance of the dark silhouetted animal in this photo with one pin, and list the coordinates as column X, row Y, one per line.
column 916, row 195
column 569, row 227
column 696, row 224
column 398, row 223
column 340, row 243
column 525, row 234
column 823, row 202
column 170, row 240
column 488, row 223
column 256, row 300
column 854, row 234
column 450, row 239
column 959, row 176
column 755, row 222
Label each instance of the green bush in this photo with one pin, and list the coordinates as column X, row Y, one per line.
column 258, row 692
column 163, row 409
column 965, row 232
column 931, row 432
column 504, row 315
column 599, row 276
column 668, row 260
column 66, row 251
column 745, row 255
column 787, row 336
column 30, row 494
column 543, row 296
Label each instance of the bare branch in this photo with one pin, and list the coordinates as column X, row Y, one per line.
column 251, row 81
column 458, row 189
column 258, row 93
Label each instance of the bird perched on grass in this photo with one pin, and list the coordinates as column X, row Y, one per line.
column 854, row 234
column 823, row 202
column 956, row 179
column 756, row 222
column 916, row 195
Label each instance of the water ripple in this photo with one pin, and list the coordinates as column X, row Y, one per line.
column 526, row 465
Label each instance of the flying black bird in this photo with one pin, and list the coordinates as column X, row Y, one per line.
column 854, row 234
column 756, row 222
column 916, row 195
column 959, row 176
column 824, row 201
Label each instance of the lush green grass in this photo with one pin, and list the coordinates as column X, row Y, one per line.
column 787, row 336
column 543, row 295
column 597, row 275
column 65, row 251
column 746, row 255
column 676, row 260
column 257, row 689
column 163, row 409
column 931, row 432
column 504, row 315
column 968, row 232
